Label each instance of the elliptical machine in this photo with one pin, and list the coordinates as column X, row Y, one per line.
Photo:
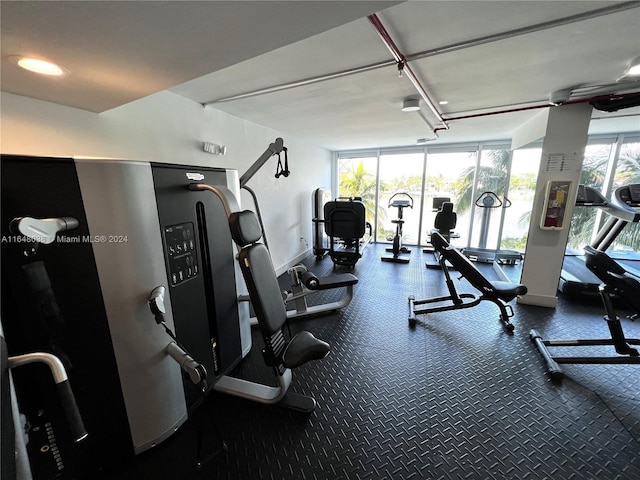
column 397, row 248
column 488, row 202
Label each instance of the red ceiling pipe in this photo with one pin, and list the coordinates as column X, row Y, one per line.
column 403, row 66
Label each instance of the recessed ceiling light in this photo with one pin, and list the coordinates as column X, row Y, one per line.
column 410, row 105
column 443, row 102
column 42, row 67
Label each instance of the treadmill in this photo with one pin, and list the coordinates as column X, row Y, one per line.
column 623, row 208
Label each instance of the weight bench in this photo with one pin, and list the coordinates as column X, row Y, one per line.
column 618, row 283
column 280, row 353
column 345, row 224
column 493, row 291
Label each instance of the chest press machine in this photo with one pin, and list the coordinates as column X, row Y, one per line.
column 261, row 281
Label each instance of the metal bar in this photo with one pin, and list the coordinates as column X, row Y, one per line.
column 433, row 52
column 274, row 148
column 404, row 66
column 301, row 83
column 496, row 37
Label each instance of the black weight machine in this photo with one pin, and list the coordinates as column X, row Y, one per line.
column 280, row 353
column 15, row 460
column 346, row 218
column 398, row 248
column 345, row 224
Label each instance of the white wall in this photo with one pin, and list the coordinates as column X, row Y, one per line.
column 166, row 127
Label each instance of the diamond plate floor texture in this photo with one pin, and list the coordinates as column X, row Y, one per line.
column 456, row 397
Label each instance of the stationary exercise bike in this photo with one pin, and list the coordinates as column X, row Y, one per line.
column 397, row 248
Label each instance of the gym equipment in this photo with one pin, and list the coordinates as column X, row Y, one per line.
column 436, row 206
column 261, row 280
column 345, row 224
column 445, row 221
column 494, row 291
column 15, row 462
column 193, row 370
column 398, row 248
column 319, row 198
column 488, row 201
column 617, row 283
column 274, row 148
column 304, row 283
column 623, row 208
column 83, row 298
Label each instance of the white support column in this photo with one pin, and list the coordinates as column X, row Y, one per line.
column 565, row 139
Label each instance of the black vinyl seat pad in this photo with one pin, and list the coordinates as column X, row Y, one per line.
column 505, row 291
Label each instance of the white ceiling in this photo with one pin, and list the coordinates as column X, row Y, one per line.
column 481, row 56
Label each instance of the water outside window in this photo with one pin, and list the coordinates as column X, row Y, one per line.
column 525, row 165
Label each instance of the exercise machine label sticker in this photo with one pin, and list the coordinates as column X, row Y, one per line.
column 181, row 250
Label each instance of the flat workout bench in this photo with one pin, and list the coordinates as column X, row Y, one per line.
column 497, row 292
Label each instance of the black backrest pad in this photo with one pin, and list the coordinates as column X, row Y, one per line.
column 344, row 219
column 264, row 290
column 461, row 263
column 446, row 218
column 245, row 227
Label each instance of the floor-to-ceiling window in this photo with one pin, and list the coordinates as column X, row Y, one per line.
column 490, row 200
column 400, row 179
column 463, row 173
column 627, row 172
column 357, row 174
column 450, row 173
column 586, row 219
column 525, row 165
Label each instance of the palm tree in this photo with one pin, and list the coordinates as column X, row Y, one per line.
column 628, row 172
column 357, row 182
column 491, row 178
column 583, row 219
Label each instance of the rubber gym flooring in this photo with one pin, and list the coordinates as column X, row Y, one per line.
column 454, row 398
